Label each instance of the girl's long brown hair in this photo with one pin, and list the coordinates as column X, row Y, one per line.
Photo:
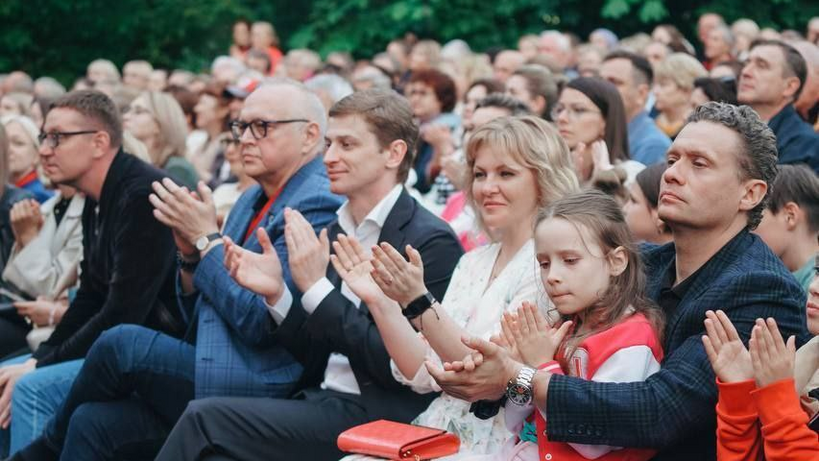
column 602, row 217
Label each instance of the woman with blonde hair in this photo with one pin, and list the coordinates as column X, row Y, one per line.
column 673, row 84
column 516, row 165
column 157, row 120
column 23, row 155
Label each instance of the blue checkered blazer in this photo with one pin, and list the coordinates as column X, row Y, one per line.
column 236, row 354
column 674, row 410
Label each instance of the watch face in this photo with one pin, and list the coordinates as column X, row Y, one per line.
column 201, row 243
column 518, row 394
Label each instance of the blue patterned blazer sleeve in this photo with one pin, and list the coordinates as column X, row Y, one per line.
column 680, row 399
column 242, row 310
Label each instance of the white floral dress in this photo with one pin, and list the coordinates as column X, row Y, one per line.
column 477, row 309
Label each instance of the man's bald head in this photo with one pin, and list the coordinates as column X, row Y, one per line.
column 295, row 99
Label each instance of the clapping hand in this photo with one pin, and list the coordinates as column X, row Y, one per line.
column 26, row 221
column 771, row 357
column 399, row 279
column 259, row 273
column 355, row 268
column 307, row 255
column 537, row 342
column 728, row 356
column 485, row 380
column 600, row 156
column 189, row 215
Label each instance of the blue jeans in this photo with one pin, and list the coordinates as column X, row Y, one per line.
column 36, row 397
column 133, row 386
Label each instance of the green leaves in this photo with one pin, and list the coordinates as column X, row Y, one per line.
column 64, row 36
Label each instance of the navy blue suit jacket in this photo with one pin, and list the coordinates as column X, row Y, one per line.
column 338, row 326
column 674, row 409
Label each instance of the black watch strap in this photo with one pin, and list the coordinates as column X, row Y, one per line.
column 419, row 306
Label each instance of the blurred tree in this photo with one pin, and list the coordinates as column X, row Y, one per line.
column 59, row 38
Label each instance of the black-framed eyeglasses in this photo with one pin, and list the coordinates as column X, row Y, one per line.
column 54, row 137
column 258, row 128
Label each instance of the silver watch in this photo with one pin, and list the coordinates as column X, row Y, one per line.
column 519, row 390
column 203, row 241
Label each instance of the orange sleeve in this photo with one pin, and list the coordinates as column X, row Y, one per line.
column 784, row 424
column 738, row 437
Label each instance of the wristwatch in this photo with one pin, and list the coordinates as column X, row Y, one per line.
column 519, row 389
column 203, row 241
column 419, row 305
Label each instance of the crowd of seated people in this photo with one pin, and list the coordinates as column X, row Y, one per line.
column 603, row 250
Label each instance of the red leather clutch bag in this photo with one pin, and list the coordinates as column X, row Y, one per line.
column 397, row 441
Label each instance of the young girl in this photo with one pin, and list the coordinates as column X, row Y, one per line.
column 611, row 332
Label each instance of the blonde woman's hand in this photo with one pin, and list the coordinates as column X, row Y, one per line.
column 401, row 280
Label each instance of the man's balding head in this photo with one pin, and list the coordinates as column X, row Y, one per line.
column 288, row 124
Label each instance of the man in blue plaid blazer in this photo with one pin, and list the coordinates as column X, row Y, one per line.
column 136, row 382
column 713, row 192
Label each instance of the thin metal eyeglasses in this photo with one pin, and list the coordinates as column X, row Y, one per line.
column 54, row 136
column 258, row 128
column 573, row 113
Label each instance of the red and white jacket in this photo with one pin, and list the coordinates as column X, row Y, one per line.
column 627, row 352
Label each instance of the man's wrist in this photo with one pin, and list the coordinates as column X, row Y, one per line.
column 211, row 245
column 540, row 388
column 273, row 298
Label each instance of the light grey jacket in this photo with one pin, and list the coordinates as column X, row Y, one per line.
column 48, row 264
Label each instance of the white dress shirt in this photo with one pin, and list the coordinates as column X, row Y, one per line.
column 339, row 375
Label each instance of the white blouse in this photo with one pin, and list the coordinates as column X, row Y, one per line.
column 477, row 308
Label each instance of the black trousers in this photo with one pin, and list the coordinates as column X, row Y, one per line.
column 249, row 429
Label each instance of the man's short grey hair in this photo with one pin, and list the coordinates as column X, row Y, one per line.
column 310, row 105
column 375, row 76
column 48, row 87
column 334, row 85
column 227, row 61
column 455, row 50
column 562, row 40
column 758, row 156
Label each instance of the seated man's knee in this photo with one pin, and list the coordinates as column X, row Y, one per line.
column 116, row 340
column 203, row 409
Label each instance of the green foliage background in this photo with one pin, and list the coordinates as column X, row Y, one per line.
column 59, row 37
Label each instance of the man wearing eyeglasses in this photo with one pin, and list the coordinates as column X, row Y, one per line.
column 128, row 267
column 137, row 382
